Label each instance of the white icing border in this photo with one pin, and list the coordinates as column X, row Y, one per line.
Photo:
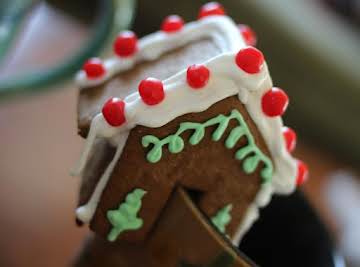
column 226, row 79
column 219, row 28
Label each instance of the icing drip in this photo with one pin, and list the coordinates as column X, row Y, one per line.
column 226, row 79
column 250, row 153
column 222, row 218
column 125, row 217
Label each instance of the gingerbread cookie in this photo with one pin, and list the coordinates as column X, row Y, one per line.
column 209, row 122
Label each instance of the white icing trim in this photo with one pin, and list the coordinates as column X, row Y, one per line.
column 226, row 79
column 220, row 28
column 262, row 199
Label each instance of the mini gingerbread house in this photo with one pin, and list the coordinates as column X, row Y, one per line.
column 191, row 106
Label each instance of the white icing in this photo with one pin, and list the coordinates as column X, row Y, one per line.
column 220, row 29
column 262, row 198
column 226, row 79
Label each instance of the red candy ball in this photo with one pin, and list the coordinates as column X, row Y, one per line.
column 290, row 138
column 211, row 9
column 249, row 59
column 302, row 173
column 248, row 34
column 274, row 102
column 151, row 91
column 172, row 23
column 125, row 44
column 197, row 76
column 114, row 111
column 94, row 68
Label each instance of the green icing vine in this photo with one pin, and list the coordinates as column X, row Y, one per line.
column 222, row 218
column 250, row 154
column 125, row 217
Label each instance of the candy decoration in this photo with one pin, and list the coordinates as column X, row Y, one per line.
column 290, row 138
column 250, row 60
column 114, row 112
column 211, row 9
column 274, row 102
column 302, row 173
column 151, row 91
column 172, row 23
column 248, row 34
column 125, row 44
column 197, row 76
column 94, row 68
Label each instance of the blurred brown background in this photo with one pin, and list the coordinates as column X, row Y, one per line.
column 39, row 143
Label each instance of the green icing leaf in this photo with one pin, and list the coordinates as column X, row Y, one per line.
column 125, row 217
column 217, row 134
column 251, row 163
column 222, row 218
column 149, row 139
column 197, row 136
column 243, row 152
column 234, row 136
column 250, row 154
column 176, row 144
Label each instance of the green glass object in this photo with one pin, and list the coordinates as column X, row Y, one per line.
column 111, row 17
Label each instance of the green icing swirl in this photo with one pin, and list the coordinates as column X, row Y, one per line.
column 222, row 218
column 250, row 154
column 125, row 217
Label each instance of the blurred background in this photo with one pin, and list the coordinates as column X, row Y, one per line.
column 313, row 51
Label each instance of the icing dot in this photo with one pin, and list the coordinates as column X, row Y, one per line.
column 172, row 23
column 302, row 173
column 94, row 68
column 151, row 91
column 290, row 138
column 211, row 9
column 114, row 111
column 249, row 59
column 197, row 76
column 125, row 44
column 274, row 102
column 248, row 34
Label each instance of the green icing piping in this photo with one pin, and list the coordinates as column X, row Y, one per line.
column 250, row 153
column 222, row 218
column 125, row 217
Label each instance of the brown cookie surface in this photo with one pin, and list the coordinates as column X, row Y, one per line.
column 208, row 168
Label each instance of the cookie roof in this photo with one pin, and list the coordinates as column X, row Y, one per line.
column 239, row 70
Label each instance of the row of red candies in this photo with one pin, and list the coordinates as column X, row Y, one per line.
column 274, row 101
column 126, row 43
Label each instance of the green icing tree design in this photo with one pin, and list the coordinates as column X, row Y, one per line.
column 223, row 260
column 222, row 218
column 250, row 154
column 125, row 217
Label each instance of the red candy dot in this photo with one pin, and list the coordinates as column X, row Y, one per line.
column 172, row 23
column 290, row 138
column 125, row 44
column 114, row 111
column 274, row 102
column 197, row 76
column 151, row 91
column 211, row 9
column 302, row 173
column 94, row 68
column 248, row 34
column 249, row 59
